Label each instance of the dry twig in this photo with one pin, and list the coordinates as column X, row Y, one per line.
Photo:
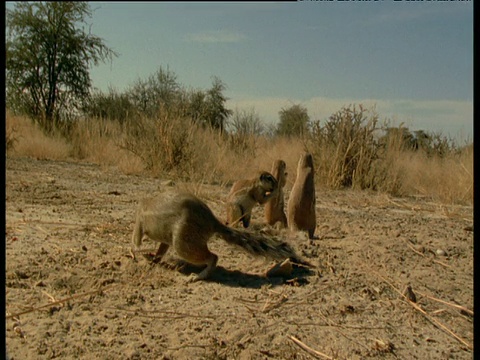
column 50, row 296
column 172, row 314
column 459, row 307
column 190, row 346
column 76, row 296
column 309, row 349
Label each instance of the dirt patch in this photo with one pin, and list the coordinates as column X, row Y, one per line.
column 73, row 290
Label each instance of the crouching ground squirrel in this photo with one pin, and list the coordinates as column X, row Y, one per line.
column 186, row 223
column 245, row 194
column 274, row 208
column 301, row 204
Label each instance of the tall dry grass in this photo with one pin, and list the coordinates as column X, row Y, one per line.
column 26, row 139
column 173, row 147
column 447, row 180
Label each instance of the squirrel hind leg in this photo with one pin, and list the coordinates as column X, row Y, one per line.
column 207, row 272
column 162, row 249
column 191, row 245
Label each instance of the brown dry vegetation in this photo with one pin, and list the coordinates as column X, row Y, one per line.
column 178, row 149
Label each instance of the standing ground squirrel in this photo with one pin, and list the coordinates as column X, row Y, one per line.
column 301, row 204
column 186, row 223
column 274, row 208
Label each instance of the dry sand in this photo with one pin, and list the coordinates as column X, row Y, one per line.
column 73, row 290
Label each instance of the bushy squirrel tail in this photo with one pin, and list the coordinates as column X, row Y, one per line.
column 258, row 244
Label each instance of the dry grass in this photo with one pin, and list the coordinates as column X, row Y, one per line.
column 26, row 139
column 448, row 180
column 179, row 149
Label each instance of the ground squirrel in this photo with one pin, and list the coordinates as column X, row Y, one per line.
column 274, row 208
column 301, row 203
column 245, row 194
column 186, row 223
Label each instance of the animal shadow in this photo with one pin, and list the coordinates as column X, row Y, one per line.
column 236, row 278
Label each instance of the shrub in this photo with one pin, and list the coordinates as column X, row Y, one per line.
column 243, row 129
column 164, row 143
column 294, row 121
column 345, row 147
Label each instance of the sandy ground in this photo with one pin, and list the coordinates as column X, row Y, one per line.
column 73, row 290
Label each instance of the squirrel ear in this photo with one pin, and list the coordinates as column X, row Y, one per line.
column 267, row 177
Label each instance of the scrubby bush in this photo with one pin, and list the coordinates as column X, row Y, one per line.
column 294, row 121
column 353, row 149
column 430, row 143
column 164, row 143
column 112, row 105
column 243, row 129
column 345, row 147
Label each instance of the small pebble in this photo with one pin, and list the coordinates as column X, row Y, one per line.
column 441, row 252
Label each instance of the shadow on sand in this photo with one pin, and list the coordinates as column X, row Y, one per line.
column 235, row 278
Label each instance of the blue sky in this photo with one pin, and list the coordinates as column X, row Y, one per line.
column 412, row 60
